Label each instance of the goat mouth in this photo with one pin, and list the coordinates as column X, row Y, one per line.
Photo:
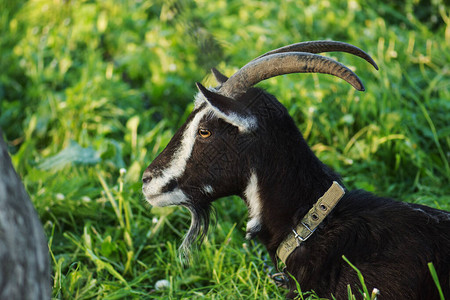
column 175, row 197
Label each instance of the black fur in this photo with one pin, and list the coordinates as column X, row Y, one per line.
column 390, row 242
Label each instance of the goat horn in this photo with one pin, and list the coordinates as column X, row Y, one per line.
column 285, row 63
column 324, row 46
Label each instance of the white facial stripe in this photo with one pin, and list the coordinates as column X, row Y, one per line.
column 179, row 160
column 199, row 99
column 244, row 124
column 251, row 193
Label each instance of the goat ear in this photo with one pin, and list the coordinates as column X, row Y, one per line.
column 229, row 109
column 222, row 103
column 220, row 78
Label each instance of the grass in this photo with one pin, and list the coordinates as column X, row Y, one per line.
column 92, row 91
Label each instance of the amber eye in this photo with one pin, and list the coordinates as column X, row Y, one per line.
column 204, row 133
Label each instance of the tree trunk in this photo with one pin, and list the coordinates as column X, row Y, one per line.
column 24, row 258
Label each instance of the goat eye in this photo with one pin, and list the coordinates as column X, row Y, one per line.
column 204, row 133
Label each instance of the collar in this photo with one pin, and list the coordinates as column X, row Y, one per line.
column 311, row 221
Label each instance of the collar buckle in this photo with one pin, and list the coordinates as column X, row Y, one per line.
column 301, row 238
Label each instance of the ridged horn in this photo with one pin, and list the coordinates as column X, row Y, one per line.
column 323, row 46
column 285, row 63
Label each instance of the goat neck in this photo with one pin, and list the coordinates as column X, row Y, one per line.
column 286, row 178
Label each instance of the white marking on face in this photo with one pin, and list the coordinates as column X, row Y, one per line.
column 243, row 123
column 176, row 168
column 199, row 99
column 251, row 194
column 171, row 198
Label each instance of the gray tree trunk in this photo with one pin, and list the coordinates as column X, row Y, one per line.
column 24, row 258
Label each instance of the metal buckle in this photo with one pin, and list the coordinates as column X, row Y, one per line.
column 302, row 239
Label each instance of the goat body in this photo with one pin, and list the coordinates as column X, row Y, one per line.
column 241, row 141
column 390, row 242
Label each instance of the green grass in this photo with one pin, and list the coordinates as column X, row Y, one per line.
column 92, row 91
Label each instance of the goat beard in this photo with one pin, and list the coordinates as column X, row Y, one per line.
column 200, row 218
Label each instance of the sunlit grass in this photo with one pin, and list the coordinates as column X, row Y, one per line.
column 91, row 92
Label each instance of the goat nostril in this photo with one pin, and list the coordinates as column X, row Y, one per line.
column 146, row 179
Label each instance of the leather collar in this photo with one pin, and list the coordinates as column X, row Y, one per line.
column 310, row 221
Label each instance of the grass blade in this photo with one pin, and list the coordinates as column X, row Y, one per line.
column 436, row 279
column 360, row 277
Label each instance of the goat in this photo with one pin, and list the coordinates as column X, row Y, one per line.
column 240, row 140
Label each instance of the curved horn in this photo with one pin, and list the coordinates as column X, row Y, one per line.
column 324, row 46
column 285, row 63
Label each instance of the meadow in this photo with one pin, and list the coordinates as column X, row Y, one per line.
column 92, row 91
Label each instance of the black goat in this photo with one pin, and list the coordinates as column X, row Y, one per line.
column 241, row 141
